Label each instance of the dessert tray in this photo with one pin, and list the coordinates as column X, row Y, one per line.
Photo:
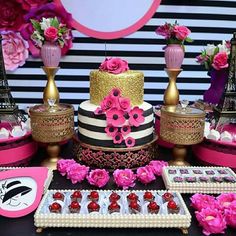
column 112, row 209
column 197, row 179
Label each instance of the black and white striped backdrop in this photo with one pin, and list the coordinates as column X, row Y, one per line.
column 210, row 22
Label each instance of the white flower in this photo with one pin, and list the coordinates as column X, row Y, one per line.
column 210, row 49
column 223, row 47
column 45, row 23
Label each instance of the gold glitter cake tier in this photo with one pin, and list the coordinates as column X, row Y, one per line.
column 131, row 84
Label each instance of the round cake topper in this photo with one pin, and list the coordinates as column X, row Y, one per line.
column 106, row 19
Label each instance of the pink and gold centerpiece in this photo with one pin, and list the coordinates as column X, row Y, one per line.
column 115, row 127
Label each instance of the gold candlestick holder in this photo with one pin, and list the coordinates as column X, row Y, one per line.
column 171, row 95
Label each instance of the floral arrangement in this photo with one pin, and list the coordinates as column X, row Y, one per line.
column 49, row 29
column 215, row 56
column 114, row 65
column 214, row 214
column 120, row 117
column 174, row 33
column 99, row 177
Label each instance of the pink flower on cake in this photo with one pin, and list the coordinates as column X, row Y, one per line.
column 98, row 177
column 212, row 221
column 115, row 117
column 124, row 104
column 111, row 130
column 145, row 174
column 125, row 130
column 230, row 215
column 136, row 116
column 115, row 92
column 124, row 178
column 51, row 34
column 129, row 142
column 63, row 165
column 77, row 173
column 181, row 32
column 117, row 138
column 15, row 50
column 98, row 111
column 114, row 65
column 28, row 4
column 157, row 167
column 226, row 199
column 220, row 61
column 200, row 201
column 108, row 103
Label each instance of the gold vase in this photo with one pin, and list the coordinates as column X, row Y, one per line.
column 171, row 95
column 51, row 91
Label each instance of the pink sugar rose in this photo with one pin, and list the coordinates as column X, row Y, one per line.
column 212, row 221
column 225, row 200
column 98, row 177
column 181, row 32
column 125, row 104
column 115, row 117
column 157, row 167
column 77, row 173
column 136, row 116
column 230, row 215
column 145, row 174
column 200, row 201
column 124, row 178
column 51, row 34
column 15, row 50
column 114, row 65
column 28, row 4
column 64, row 164
column 108, row 103
column 220, row 61
column 164, row 30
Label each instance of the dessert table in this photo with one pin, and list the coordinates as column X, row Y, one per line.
column 25, row 225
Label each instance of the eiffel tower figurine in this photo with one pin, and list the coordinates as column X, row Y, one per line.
column 225, row 112
column 9, row 111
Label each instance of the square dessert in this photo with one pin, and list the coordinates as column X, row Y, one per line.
column 184, row 171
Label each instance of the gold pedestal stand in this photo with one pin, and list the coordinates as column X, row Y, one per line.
column 52, row 122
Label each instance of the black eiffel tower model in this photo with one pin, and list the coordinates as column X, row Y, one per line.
column 225, row 112
column 9, row 111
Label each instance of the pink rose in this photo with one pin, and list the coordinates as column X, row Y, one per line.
column 220, row 61
column 77, row 173
column 98, row 177
column 124, row 104
column 145, row 174
column 124, row 178
column 181, row 32
column 200, row 201
column 12, row 15
column 164, row 30
column 28, row 4
column 157, row 167
column 230, row 215
column 51, row 33
column 212, row 221
column 63, row 165
column 15, row 50
column 114, row 65
column 108, row 103
column 225, row 200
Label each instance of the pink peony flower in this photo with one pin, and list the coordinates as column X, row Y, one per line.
column 200, row 201
column 77, row 173
column 125, row 104
column 108, row 103
column 230, row 215
column 212, row 221
column 49, row 10
column 124, row 178
column 157, row 167
column 136, row 116
column 181, row 32
column 117, row 138
column 164, row 30
column 125, row 130
column 98, row 177
column 129, row 142
column 64, row 164
column 111, row 130
column 51, row 34
column 145, row 174
column 115, row 117
column 28, row 4
column 220, row 61
column 15, row 50
column 98, row 111
column 225, row 200
column 12, row 15
column 114, row 65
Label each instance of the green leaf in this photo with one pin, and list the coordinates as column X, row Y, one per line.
column 216, row 50
column 189, row 40
column 36, row 25
column 206, row 65
column 55, row 23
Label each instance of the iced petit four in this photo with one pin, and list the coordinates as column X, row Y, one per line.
column 113, row 207
column 76, row 196
column 229, row 179
column 93, row 196
column 134, row 207
column 58, row 196
column 198, row 172
column 172, row 172
column 153, row 208
column 210, row 172
column 132, row 197
column 148, row 196
column 203, row 179
column 191, row 179
column 183, row 171
column 222, row 172
column 167, row 197
column 217, row 179
column 74, row 207
column 93, row 207
column 114, row 197
column 172, row 207
column 178, row 179
column 55, row 207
